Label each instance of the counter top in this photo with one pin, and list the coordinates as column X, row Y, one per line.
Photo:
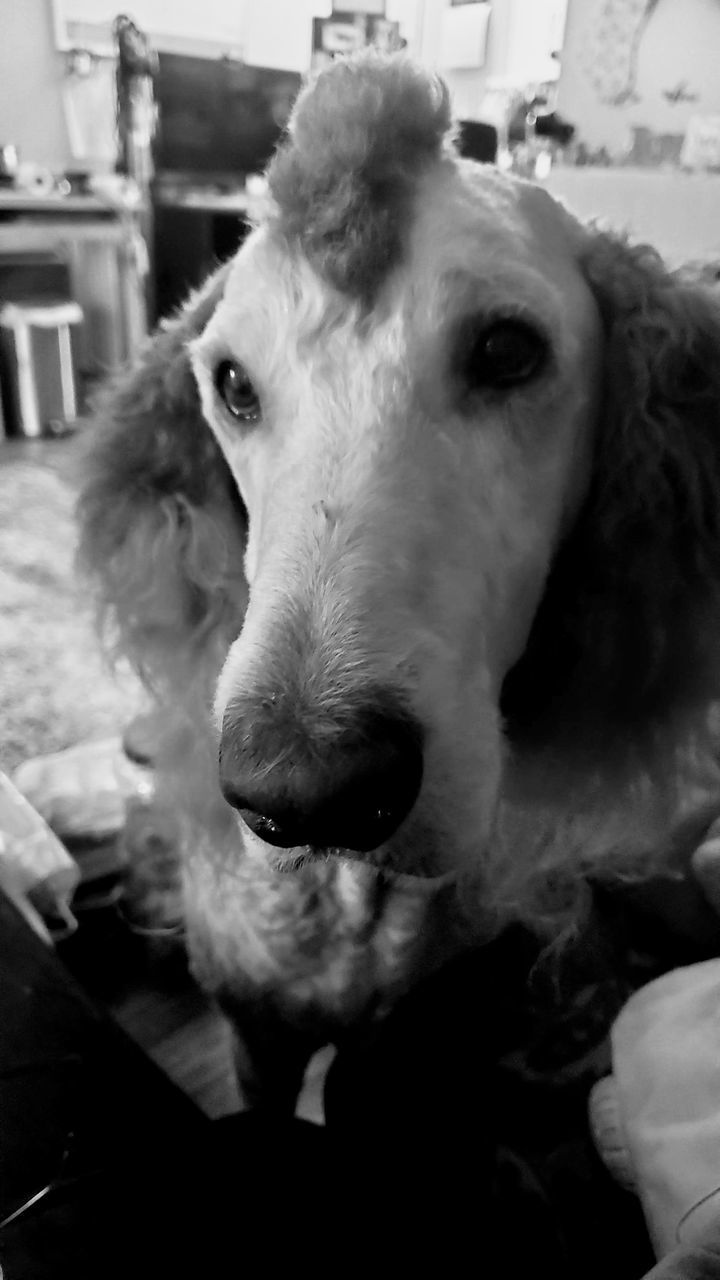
column 12, row 201
column 242, row 202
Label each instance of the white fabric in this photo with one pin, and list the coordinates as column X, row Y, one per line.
column 666, row 1061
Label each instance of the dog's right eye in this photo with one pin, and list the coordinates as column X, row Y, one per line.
column 501, row 355
column 237, row 391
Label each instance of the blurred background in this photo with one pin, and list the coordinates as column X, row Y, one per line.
column 130, row 143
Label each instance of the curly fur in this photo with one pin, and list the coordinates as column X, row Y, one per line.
column 610, row 698
column 625, row 636
column 159, row 513
column 344, row 182
column 604, row 710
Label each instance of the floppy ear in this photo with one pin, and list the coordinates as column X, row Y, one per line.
column 626, row 642
column 161, row 526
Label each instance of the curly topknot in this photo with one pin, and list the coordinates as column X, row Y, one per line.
column 360, row 135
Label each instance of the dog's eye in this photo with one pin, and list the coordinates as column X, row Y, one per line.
column 237, row 391
column 503, row 355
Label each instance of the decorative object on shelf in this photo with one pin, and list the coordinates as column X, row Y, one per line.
column 679, row 94
column 9, row 163
column 701, row 145
column 347, row 32
column 612, row 57
column 135, row 73
column 81, row 63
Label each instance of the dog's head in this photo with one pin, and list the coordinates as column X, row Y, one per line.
column 474, row 458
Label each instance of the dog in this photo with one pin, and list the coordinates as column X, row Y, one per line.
column 410, row 520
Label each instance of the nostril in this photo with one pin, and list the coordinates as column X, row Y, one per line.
column 352, row 796
column 285, row 834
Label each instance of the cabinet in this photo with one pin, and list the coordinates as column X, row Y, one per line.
column 106, row 258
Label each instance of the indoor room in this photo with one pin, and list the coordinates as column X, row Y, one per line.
column 359, row 635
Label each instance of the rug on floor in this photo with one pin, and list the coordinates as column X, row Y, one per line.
column 56, row 689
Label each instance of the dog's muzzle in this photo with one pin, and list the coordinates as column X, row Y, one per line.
column 347, row 791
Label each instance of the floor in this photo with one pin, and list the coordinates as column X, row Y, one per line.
column 147, row 989
column 150, row 994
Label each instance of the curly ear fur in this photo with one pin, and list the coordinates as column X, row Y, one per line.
column 625, row 644
column 161, row 527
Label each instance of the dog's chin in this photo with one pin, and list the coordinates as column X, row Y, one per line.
column 418, row 872
column 411, row 857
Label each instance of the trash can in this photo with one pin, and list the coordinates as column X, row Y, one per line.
column 37, row 366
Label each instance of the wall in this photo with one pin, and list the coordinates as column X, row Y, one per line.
column 605, row 91
column 521, row 36
column 59, row 123
column 274, row 33
column 31, row 79
column 34, row 90
column 675, row 212
column 467, row 85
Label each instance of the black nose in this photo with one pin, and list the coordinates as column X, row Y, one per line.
column 345, row 791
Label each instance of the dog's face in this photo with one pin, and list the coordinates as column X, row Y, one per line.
column 408, row 470
column 478, row 450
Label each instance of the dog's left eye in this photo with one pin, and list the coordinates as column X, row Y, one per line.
column 237, row 391
column 503, row 355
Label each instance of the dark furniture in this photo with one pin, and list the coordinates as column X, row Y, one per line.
column 193, row 232
column 477, row 140
column 219, row 121
column 106, row 1169
column 83, row 1113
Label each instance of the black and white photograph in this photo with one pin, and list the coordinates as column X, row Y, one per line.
column 360, row 639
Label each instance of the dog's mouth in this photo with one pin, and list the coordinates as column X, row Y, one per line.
column 295, row 861
column 392, row 858
column 295, row 834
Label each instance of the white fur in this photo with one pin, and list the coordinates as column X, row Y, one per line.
column 395, row 536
